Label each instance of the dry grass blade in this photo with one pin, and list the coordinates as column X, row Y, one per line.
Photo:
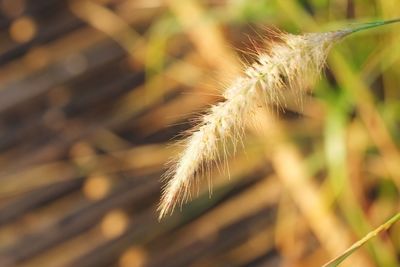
column 336, row 261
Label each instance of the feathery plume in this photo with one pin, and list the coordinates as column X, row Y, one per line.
column 293, row 63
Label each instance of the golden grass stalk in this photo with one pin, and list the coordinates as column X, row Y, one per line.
column 293, row 62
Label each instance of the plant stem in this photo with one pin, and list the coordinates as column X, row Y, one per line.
column 336, row 261
column 369, row 25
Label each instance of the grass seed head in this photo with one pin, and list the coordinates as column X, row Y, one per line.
column 292, row 62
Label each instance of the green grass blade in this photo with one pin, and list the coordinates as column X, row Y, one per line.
column 336, row 261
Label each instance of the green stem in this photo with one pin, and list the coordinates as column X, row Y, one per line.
column 374, row 24
column 336, row 261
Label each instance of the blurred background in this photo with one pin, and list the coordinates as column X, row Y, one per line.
column 93, row 93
